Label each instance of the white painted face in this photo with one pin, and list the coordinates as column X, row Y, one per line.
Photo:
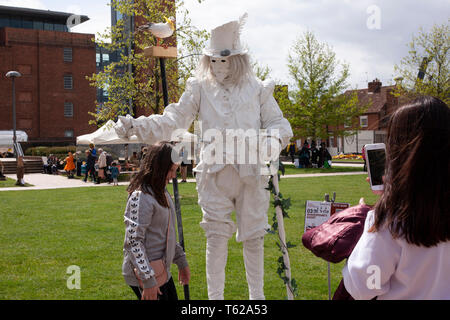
column 220, row 68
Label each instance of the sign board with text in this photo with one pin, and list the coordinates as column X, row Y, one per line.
column 317, row 212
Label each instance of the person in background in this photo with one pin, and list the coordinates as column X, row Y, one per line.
column 304, row 156
column 134, row 162
column 363, row 151
column 114, row 173
column 324, row 156
column 93, row 150
column 90, row 167
column 314, row 155
column 20, row 170
column 184, row 164
column 70, row 165
column 102, row 165
column 292, row 151
column 2, row 168
column 404, row 249
column 150, row 228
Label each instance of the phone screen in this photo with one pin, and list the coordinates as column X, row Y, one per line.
column 376, row 165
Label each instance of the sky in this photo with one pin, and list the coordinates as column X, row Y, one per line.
column 369, row 35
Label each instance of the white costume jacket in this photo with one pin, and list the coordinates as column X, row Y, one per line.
column 251, row 106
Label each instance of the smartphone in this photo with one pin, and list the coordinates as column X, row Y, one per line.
column 375, row 161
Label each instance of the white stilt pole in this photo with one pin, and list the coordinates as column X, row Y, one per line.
column 282, row 236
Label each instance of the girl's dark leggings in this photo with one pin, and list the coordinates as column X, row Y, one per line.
column 168, row 290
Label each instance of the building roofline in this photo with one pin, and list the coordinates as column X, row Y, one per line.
column 38, row 13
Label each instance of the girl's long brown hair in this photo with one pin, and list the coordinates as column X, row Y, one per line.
column 153, row 172
column 415, row 204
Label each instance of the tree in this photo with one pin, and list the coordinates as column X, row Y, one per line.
column 316, row 102
column 425, row 70
column 134, row 79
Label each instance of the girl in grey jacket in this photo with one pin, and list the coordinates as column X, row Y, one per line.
column 150, row 227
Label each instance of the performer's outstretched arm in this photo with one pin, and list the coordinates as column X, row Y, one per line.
column 161, row 127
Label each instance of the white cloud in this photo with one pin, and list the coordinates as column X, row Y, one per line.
column 34, row 4
column 274, row 25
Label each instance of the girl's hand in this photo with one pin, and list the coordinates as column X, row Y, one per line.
column 377, row 192
column 151, row 293
column 184, row 275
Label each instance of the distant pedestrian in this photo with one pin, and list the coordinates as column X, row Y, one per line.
column 93, row 150
column 114, row 173
column 314, row 154
column 292, row 150
column 102, row 165
column 90, row 167
column 324, row 156
column 184, row 164
column 304, row 156
column 70, row 165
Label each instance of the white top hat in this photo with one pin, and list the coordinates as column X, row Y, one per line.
column 225, row 40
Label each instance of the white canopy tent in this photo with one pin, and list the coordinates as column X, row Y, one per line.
column 105, row 135
column 6, row 137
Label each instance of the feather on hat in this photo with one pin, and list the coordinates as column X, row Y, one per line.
column 226, row 39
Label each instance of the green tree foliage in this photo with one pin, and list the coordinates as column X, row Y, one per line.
column 134, row 80
column 428, row 54
column 316, row 103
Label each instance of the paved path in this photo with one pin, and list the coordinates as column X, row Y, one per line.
column 42, row 181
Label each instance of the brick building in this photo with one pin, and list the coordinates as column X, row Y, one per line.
column 53, row 97
column 373, row 123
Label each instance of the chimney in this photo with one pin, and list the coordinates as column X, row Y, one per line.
column 374, row 86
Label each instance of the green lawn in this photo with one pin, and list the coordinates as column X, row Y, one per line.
column 11, row 183
column 291, row 169
column 42, row 232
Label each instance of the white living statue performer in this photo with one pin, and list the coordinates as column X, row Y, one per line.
column 228, row 99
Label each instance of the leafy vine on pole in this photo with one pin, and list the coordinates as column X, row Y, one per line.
column 281, row 206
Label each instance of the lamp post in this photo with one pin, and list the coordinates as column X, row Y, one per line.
column 13, row 75
column 19, row 160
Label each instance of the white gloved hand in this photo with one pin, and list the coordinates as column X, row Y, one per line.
column 124, row 127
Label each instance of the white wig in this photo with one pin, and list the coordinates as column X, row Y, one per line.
column 240, row 69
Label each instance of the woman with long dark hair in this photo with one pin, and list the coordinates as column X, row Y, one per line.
column 150, row 241
column 404, row 251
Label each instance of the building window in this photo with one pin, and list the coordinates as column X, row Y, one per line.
column 38, row 25
column 27, row 23
column 68, row 109
column 68, row 133
column 15, row 22
column 363, row 121
column 67, row 54
column 98, row 59
column 48, row 26
column 4, row 21
column 105, row 58
column 60, row 27
column 68, row 82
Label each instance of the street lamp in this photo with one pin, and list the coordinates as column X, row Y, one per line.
column 19, row 159
column 13, row 75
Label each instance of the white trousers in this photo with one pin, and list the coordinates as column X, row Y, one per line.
column 216, row 260
column 220, row 194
